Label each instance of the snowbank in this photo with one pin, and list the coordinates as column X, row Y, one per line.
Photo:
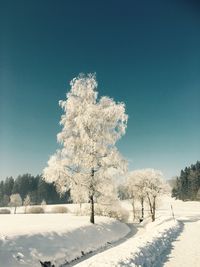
column 145, row 249
column 27, row 238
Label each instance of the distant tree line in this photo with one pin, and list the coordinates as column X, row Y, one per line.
column 33, row 186
column 187, row 185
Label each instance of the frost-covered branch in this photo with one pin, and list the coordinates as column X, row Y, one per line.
column 88, row 157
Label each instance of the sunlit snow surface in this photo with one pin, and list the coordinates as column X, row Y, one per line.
column 26, row 239
column 166, row 242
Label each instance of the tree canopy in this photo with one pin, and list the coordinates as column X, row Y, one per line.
column 187, row 185
column 91, row 126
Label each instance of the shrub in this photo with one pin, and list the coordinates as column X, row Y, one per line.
column 35, row 210
column 5, row 211
column 43, row 203
column 59, row 209
column 116, row 212
column 112, row 211
column 84, row 210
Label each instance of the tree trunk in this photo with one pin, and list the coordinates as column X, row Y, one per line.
column 150, row 205
column 92, row 209
column 133, row 205
column 142, row 204
column 154, row 209
column 15, row 210
column 92, row 198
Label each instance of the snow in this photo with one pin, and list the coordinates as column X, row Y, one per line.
column 185, row 250
column 167, row 242
column 140, row 250
column 27, row 238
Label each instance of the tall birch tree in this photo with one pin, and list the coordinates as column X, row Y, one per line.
column 91, row 126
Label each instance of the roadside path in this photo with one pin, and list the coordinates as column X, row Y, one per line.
column 186, row 249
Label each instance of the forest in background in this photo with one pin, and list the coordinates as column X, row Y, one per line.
column 34, row 186
column 187, row 185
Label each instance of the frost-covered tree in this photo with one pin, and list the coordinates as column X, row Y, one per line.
column 27, row 202
column 43, row 203
column 15, row 201
column 108, row 204
column 155, row 186
column 137, row 189
column 109, row 196
column 91, row 126
column 131, row 188
column 78, row 194
column 122, row 191
column 147, row 184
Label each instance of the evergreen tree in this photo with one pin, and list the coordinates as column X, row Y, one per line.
column 8, row 186
column 36, row 188
column 188, row 183
column 1, row 193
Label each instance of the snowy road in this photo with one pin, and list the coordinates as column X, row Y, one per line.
column 185, row 250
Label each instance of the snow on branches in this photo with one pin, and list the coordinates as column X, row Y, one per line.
column 88, row 158
column 15, row 201
column 146, row 184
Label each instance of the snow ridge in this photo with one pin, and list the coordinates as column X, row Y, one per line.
column 144, row 250
column 154, row 251
column 59, row 238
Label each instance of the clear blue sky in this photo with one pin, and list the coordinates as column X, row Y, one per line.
column 145, row 53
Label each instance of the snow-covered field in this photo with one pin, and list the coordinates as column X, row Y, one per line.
column 27, row 238
column 166, row 242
